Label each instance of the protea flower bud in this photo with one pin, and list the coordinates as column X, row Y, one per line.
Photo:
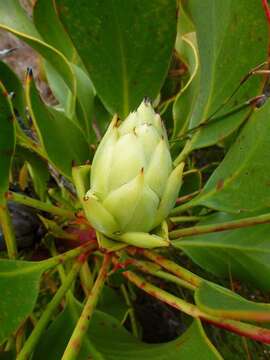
column 133, row 183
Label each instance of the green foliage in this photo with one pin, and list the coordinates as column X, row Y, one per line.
column 17, row 300
column 198, row 62
column 13, row 85
column 123, row 69
column 7, row 140
column 38, row 170
column 241, row 254
column 219, row 301
column 53, row 127
column 231, row 188
column 224, row 46
column 119, row 343
column 15, row 20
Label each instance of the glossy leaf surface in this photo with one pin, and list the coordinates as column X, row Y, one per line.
column 13, row 85
column 113, row 40
column 227, row 33
column 7, row 140
column 17, row 301
column 55, row 129
column 241, row 181
column 38, row 170
column 120, row 345
column 242, row 254
column 218, row 301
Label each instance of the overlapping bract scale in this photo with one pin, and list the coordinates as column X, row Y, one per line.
column 133, row 183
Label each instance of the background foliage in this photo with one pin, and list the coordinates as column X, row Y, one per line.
column 194, row 59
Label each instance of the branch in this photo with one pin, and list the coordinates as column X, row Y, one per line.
column 205, row 229
column 60, row 259
column 37, row 204
column 48, row 313
column 8, row 231
column 184, row 219
column 171, row 266
column 131, row 311
column 75, row 342
column 243, row 329
column 155, row 270
column 266, row 9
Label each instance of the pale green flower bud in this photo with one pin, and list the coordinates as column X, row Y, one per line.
column 133, row 184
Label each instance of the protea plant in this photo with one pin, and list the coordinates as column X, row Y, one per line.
column 133, row 183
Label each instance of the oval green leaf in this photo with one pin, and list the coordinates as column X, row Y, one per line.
column 19, row 286
column 241, row 181
column 227, row 33
column 63, row 141
column 106, row 339
column 242, row 254
column 219, row 301
column 125, row 45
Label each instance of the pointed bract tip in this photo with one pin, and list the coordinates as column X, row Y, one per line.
column 158, row 117
column 182, row 165
column 179, row 169
column 73, row 163
column 118, row 122
column 11, row 95
column 115, row 119
column 147, row 101
column 29, row 72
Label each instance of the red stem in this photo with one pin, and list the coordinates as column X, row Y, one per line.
column 252, row 332
column 239, row 328
column 266, row 9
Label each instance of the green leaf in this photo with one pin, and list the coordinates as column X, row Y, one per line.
column 241, row 181
column 13, row 84
column 227, row 33
column 184, row 22
column 109, row 244
column 7, row 141
column 63, row 141
column 186, row 46
column 38, row 170
column 126, row 46
column 14, row 19
column 58, row 86
column 102, row 117
column 19, row 286
column 242, row 254
column 107, row 340
column 52, row 31
column 112, row 303
column 192, row 181
column 218, row 301
column 187, row 50
column 85, row 104
column 85, row 108
column 7, row 355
